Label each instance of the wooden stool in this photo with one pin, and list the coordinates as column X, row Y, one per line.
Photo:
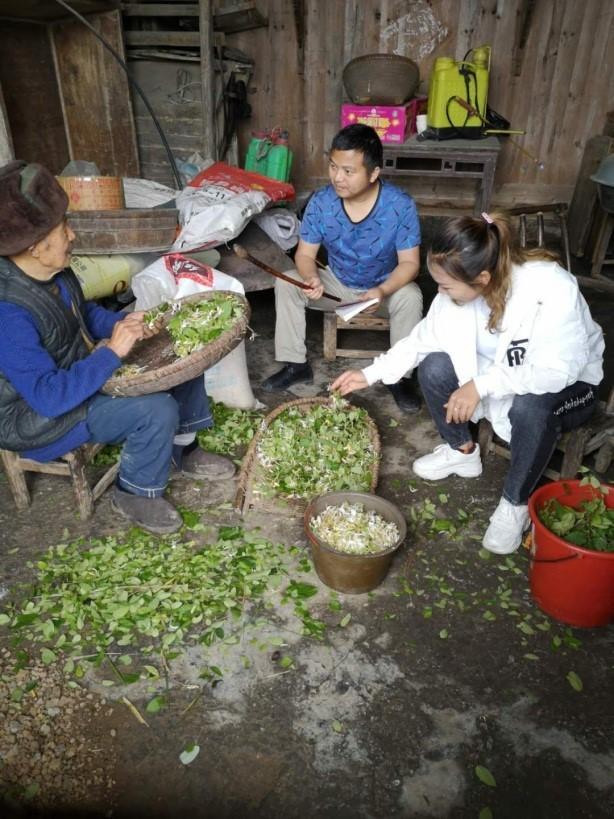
column 606, row 230
column 597, row 435
column 332, row 323
column 72, row 464
column 559, row 209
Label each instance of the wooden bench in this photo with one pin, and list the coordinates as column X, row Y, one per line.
column 72, row 465
column 332, row 323
column 596, row 436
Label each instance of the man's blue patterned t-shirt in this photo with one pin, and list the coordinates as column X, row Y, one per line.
column 362, row 254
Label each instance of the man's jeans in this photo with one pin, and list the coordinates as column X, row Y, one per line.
column 537, row 422
column 147, row 425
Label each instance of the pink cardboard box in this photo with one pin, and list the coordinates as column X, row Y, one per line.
column 393, row 123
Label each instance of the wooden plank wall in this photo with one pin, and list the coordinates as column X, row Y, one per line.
column 31, row 96
column 173, row 91
column 95, row 95
column 551, row 74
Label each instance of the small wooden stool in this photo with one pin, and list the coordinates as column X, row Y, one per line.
column 604, row 235
column 72, row 465
column 332, row 323
column 597, row 435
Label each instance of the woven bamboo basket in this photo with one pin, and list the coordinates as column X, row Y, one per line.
column 162, row 369
column 247, row 494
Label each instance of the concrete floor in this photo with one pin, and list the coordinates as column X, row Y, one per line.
column 448, row 665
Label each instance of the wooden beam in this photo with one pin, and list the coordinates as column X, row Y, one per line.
column 6, row 143
column 207, row 76
column 162, row 38
column 160, row 9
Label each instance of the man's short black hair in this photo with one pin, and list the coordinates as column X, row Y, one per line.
column 361, row 138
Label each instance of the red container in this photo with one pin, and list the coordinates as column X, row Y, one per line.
column 571, row 584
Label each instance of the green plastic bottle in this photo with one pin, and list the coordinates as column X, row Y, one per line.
column 279, row 161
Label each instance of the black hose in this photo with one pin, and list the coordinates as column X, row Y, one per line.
column 137, row 88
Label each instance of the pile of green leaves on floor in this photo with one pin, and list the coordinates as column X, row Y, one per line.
column 230, row 434
column 232, row 429
column 195, row 324
column 135, row 594
column 324, row 448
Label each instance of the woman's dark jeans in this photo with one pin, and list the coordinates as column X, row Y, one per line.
column 146, row 425
column 537, row 422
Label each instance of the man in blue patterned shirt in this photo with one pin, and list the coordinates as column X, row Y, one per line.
column 371, row 232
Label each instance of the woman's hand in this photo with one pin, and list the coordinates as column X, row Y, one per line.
column 462, row 404
column 349, row 381
column 126, row 333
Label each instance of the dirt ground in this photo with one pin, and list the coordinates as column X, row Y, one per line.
column 447, row 666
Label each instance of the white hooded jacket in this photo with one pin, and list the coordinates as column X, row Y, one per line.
column 547, row 342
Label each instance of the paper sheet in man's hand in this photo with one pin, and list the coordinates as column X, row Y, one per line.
column 353, row 308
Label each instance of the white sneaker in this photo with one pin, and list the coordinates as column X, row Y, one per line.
column 507, row 525
column 444, row 461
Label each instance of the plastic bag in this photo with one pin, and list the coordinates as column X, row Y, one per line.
column 219, row 202
column 143, row 193
column 280, row 225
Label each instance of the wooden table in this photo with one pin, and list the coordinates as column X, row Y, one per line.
column 448, row 159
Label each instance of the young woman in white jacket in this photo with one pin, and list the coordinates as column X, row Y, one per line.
column 509, row 337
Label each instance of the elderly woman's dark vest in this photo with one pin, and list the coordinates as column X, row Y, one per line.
column 21, row 427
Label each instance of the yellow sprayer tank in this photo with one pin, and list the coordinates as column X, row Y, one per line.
column 451, row 81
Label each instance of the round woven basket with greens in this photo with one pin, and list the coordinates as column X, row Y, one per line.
column 198, row 331
column 305, row 448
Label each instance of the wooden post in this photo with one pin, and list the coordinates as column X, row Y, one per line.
column 6, row 143
column 16, row 478
column 207, row 75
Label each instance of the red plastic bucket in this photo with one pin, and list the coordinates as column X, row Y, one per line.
column 571, row 584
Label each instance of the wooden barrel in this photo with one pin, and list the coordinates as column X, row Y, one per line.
column 123, row 231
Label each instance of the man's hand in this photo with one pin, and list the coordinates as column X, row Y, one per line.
column 372, row 293
column 462, row 404
column 349, row 381
column 148, row 331
column 316, row 288
column 126, row 333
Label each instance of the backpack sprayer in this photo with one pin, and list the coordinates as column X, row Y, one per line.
column 452, row 81
column 457, row 101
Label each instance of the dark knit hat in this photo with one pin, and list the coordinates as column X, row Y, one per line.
column 32, row 203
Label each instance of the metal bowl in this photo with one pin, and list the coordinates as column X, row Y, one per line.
column 381, row 79
column 349, row 573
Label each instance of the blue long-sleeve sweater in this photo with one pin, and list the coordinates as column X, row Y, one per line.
column 34, row 374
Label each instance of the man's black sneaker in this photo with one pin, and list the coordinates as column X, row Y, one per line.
column 405, row 395
column 290, row 374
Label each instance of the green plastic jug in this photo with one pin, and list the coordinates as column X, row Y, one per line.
column 258, row 152
column 279, row 162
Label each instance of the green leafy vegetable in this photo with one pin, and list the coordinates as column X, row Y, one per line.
column 590, row 525
column 232, row 429
column 307, row 453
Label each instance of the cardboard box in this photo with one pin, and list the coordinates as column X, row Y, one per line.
column 393, row 123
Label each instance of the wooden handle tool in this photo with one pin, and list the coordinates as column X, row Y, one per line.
column 243, row 254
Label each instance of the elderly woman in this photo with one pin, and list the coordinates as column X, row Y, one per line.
column 51, row 368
